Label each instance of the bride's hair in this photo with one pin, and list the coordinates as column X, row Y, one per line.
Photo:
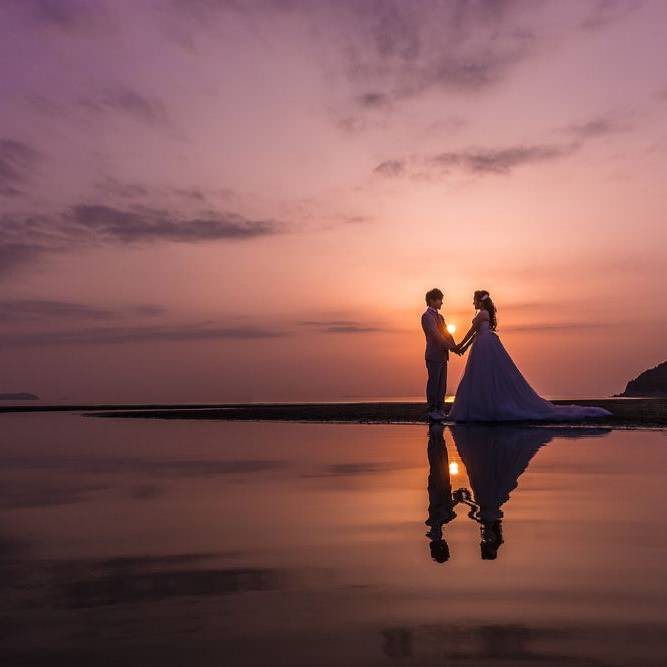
column 484, row 299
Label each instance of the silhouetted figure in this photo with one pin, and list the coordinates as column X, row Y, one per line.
column 492, row 388
column 438, row 343
column 440, row 501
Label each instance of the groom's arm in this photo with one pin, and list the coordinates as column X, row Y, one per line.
column 450, row 342
column 432, row 329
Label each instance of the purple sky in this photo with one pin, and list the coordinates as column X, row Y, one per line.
column 207, row 200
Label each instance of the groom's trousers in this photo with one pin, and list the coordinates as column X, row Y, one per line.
column 436, row 384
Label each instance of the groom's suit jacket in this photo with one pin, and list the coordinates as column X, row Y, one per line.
column 438, row 339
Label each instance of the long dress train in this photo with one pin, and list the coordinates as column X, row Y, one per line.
column 493, row 389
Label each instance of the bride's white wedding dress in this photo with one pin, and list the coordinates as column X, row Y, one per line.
column 493, row 389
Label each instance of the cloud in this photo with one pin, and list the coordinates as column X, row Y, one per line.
column 16, row 254
column 478, row 161
column 356, row 219
column 20, row 310
column 326, row 323
column 192, row 194
column 390, row 168
column 145, row 224
column 596, row 127
column 30, row 237
column 484, row 161
column 393, row 50
column 120, row 335
column 149, row 110
column 341, row 326
column 65, row 15
column 114, row 188
column 351, row 329
column 373, row 100
column 17, row 163
column 501, row 160
column 573, row 326
column 607, row 12
column 406, row 49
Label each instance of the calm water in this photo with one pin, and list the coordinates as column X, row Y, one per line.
column 201, row 543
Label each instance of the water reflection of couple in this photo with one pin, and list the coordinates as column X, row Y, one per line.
column 494, row 457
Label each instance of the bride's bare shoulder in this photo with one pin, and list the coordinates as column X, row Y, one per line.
column 481, row 316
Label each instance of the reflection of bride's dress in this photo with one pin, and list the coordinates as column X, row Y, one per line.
column 495, row 457
column 493, row 389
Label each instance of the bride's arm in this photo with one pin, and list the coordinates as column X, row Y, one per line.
column 467, row 338
column 466, row 342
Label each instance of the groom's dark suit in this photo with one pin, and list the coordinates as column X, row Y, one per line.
column 438, row 343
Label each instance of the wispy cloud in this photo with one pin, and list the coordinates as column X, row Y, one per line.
column 393, row 48
column 351, row 329
column 391, row 168
column 16, row 254
column 30, row 237
column 18, row 160
column 341, row 326
column 502, row 160
column 606, row 12
column 65, row 15
column 145, row 224
column 25, row 310
column 478, row 161
column 115, row 188
column 141, row 107
column 597, row 127
column 572, row 326
column 120, row 335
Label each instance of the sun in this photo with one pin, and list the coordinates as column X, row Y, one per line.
column 451, row 328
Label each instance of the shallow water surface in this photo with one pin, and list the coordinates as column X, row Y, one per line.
column 142, row 542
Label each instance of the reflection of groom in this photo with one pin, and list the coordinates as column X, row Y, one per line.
column 440, row 501
column 438, row 343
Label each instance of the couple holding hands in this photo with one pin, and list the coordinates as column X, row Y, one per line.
column 492, row 389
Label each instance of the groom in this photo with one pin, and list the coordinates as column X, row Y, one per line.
column 438, row 343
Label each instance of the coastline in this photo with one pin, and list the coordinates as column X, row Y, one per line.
column 627, row 413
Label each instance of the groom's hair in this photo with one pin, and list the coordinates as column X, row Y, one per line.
column 433, row 295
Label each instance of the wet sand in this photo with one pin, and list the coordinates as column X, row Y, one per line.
column 628, row 412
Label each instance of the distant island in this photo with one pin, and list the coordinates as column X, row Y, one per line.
column 20, row 396
column 652, row 382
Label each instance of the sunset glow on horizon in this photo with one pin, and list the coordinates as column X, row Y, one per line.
column 208, row 201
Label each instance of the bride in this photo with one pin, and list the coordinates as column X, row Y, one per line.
column 492, row 387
